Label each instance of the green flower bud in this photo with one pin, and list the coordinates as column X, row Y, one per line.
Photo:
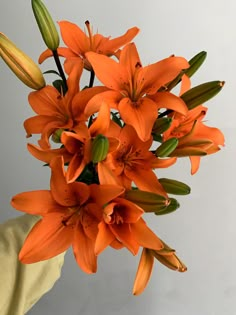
column 174, row 187
column 173, row 205
column 56, row 137
column 161, row 125
column 148, row 201
column 202, row 93
column 100, row 147
column 21, row 64
column 195, row 63
column 46, row 25
column 167, row 147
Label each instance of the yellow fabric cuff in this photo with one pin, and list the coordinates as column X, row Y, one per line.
column 21, row 286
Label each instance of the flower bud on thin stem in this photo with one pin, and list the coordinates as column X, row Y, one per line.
column 46, row 25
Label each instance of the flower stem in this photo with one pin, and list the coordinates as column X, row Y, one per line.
column 59, row 67
column 92, row 76
column 168, row 111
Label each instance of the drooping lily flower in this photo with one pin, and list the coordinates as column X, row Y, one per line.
column 122, row 223
column 79, row 43
column 195, row 138
column 134, row 88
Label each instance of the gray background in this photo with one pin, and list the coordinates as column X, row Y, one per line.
column 203, row 229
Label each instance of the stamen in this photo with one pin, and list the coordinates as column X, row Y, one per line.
column 90, row 34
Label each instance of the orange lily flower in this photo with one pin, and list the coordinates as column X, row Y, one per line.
column 70, row 216
column 122, row 222
column 78, row 145
column 56, row 111
column 132, row 162
column 195, row 138
column 134, row 88
column 78, row 42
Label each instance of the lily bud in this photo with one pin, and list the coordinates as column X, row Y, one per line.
column 161, row 125
column 169, row 259
column 21, row 64
column 173, row 205
column 195, row 63
column 167, row 147
column 148, row 201
column 100, row 147
column 56, row 137
column 46, row 25
column 202, row 93
column 174, row 187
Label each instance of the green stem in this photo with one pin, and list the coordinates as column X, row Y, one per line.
column 59, row 67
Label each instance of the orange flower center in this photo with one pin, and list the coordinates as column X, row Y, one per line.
column 115, row 217
column 128, row 156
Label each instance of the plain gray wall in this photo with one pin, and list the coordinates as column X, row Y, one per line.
column 203, row 229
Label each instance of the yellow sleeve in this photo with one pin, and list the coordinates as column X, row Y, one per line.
column 21, row 286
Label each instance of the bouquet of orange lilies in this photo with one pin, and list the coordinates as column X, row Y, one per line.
column 103, row 144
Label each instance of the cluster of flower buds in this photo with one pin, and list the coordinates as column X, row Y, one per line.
column 109, row 142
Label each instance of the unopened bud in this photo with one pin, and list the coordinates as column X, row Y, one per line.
column 201, row 93
column 21, row 64
column 100, row 147
column 195, row 63
column 174, row 187
column 56, row 137
column 173, row 205
column 46, row 25
column 148, row 201
column 166, row 148
column 161, row 125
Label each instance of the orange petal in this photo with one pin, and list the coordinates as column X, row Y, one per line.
column 106, row 176
column 45, row 101
column 102, row 122
column 102, row 194
column 185, row 84
column 81, row 99
column 62, row 192
column 129, row 211
column 104, row 238
column 74, row 37
column 195, row 163
column 145, row 179
column 48, row 155
column 35, row 202
column 123, row 233
column 36, row 124
column 48, row 238
column 74, row 68
column 156, row 75
column 129, row 58
column 144, row 271
column 163, row 163
column 141, row 115
column 108, row 71
column 109, row 47
column 62, row 51
column 83, row 248
column 170, row 101
column 144, row 236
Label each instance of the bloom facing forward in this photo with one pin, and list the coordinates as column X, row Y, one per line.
column 134, row 89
